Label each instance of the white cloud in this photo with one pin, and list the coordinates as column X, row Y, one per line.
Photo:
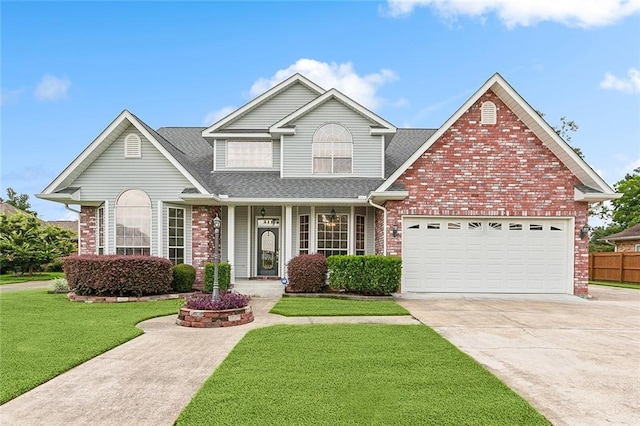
column 626, row 85
column 214, row 116
column 51, row 88
column 513, row 13
column 343, row 77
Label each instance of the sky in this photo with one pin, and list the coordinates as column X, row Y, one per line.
column 69, row 68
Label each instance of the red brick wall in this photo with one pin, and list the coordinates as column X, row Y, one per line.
column 202, row 239
column 490, row 170
column 88, row 230
column 629, row 245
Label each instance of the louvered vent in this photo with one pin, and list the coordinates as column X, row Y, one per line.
column 489, row 115
column 132, row 146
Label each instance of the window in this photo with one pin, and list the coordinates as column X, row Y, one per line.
column 132, row 146
column 496, row 226
column 360, row 221
column 100, row 220
column 304, row 234
column 176, row 235
column 515, row 227
column 332, row 149
column 133, row 223
column 474, row 225
column 433, row 225
column 488, row 113
column 249, row 154
column 637, row 247
column 453, row 225
column 535, row 227
column 333, row 234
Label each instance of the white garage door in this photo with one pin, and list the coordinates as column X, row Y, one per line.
column 486, row 255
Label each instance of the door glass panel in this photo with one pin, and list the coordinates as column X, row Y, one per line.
column 268, row 244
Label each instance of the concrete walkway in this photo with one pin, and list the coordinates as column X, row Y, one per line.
column 29, row 285
column 150, row 379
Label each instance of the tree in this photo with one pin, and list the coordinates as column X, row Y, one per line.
column 564, row 130
column 626, row 209
column 25, row 243
column 20, row 201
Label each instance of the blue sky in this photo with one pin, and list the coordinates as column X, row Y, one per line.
column 69, row 68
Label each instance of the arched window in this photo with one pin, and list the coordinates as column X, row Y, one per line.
column 488, row 113
column 332, row 149
column 133, row 223
column 132, row 146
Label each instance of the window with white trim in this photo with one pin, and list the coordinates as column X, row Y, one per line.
column 133, row 223
column 249, row 154
column 303, row 234
column 488, row 114
column 360, row 227
column 333, row 234
column 332, row 149
column 637, row 248
column 132, row 146
column 176, row 235
column 100, row 223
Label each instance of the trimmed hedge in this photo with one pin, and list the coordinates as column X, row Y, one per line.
column 369, row 275
column 224, row 276
column 118, row 275
column 307, row 273
column 183, row 278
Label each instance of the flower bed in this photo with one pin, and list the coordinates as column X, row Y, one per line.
column 208, row 319
column 115, row 299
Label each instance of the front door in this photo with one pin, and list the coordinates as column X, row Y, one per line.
column 268, row 251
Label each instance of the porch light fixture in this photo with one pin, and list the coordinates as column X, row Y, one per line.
column 262, row 212
column 215, row 295
column 333, row 215
column 584, row 231
column 395, row 231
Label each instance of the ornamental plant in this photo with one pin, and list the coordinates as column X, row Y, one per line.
column 228, row 300
column 307, row 273
column 183, row 278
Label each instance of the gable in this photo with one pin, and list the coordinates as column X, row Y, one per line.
column 275, row 108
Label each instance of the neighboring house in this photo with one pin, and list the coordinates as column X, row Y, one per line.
column 8, row 209
column 492, row 201
column 71, row 225
column 627, row 240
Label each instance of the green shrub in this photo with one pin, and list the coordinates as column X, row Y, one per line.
column 117, row 275
column 59, row 285
column 307, row 273
column 370, row 274
column 55, row 266
column 224, row 276
column 183, row 278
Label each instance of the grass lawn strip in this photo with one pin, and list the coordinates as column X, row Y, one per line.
column 353, row 374
column 323, row 306
column 44, row 335
column 41, row 276
column 614, row 284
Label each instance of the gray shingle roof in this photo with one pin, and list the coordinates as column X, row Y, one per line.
column 628, row 234
column 196, row 154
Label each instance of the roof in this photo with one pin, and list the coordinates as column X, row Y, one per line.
column 8, row 209
column 402, row 146
column 71, row 225
column 632, row 233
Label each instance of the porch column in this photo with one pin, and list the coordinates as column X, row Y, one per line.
column 288, row 236
column 231, row 240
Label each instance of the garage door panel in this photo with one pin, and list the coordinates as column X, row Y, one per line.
column 486, row 255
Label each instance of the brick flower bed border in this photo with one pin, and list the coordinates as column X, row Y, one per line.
column 209, row 319
column 107, row 299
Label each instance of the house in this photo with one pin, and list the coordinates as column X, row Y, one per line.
column 492, row 201
column 627, row 240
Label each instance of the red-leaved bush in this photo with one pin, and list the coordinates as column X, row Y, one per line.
column 117, row 275
column 228, row 300
column 307, row 273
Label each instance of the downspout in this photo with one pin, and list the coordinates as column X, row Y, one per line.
column 66, row 206
column 384, row 236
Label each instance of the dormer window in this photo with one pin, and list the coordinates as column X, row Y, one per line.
column 488, row 113
column 332, row 149
column 132, row 146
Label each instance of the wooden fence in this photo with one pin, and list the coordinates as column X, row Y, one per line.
column 619, row 267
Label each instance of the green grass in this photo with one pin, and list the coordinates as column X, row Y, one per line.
column 614, row 284
column 353, row 374
column 323, row 306
column 39, row 276
column 44, row 335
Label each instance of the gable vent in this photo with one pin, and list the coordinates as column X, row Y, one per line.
column 132, row 146
column 489, row 115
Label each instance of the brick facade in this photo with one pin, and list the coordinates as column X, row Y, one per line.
column 490, row 170
column 628, row 245
column 202, row 239
column 87, row 240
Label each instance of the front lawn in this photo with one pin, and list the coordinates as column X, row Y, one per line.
column 44, row 335
column 353, row 374
column 323, row 306
column 39, row 276
column 615, row 284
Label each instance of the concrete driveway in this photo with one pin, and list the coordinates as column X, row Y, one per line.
column 577, row 361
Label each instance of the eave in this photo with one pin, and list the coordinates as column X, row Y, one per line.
column 594, row 197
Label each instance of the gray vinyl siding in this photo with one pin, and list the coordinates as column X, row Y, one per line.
column 221, row 156
column 242, row 244
column 367, row 149
column 274, row 109
column 111, row 174
column 370, row 231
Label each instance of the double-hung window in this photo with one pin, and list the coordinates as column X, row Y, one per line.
column 176, row 235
